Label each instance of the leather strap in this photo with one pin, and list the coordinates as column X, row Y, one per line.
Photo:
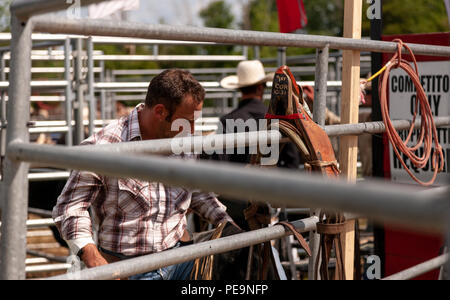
column 203, row 267
column 258, row 216
column 298, row 236
column 333, row 229
column 332, row 235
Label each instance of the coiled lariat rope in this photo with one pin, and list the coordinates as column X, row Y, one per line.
column 428, row 131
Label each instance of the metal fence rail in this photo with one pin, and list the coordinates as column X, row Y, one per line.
column 247, row 139
column 306, row 70
column 6, row 36
column 378, row 127
column 383, row 202
column 47, row 268
column 225, row 36
column 420, row 269
column 38, row 223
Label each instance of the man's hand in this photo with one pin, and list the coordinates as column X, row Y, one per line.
column 92, row 257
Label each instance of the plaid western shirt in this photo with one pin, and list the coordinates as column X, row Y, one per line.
column 132, row 217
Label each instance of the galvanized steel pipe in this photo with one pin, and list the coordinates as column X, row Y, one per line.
column 91, row 89
column 193, row 144
column 68, row 92
column 214, row 142
column 320, row 86
column 378, row 127
column 15, row 184
column 420, row 269
column 225, row 36
column 319, row 114
column 382, row 202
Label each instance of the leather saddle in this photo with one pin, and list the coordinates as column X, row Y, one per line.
column 289, row 113
column 288, row 106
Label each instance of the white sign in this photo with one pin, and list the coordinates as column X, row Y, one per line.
column 435, row 78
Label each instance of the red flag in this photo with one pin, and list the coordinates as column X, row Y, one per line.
column 291, row 15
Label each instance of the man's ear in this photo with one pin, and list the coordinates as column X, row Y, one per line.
column 160, row 111
column 261, row 89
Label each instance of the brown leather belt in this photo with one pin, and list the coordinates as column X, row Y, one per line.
column 111, row 257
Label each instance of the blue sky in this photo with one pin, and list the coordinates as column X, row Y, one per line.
column 177, row 12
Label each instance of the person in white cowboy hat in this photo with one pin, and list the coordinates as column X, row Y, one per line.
column 250, row 73
column 251, row 81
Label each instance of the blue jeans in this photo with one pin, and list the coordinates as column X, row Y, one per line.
column 176, row 272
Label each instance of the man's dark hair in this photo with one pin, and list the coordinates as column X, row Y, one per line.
column 170, row 87
column 251, row 89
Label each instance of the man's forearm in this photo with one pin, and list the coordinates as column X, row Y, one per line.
column 92, row 257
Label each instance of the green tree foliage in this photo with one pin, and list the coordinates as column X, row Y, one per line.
column 325, row 17
column 4, row 14
column 263, row 15
column 217, row 14
column 418, row 16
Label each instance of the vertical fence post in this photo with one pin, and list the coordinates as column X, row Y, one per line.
column 155, row 50
column 79, row 126
column 3, row 127
column 92, row 100
column 348, row 152
column 113, row 97
column 320, row 98
column 102, row 93
column 235, row 100
column 245, row 52
column 2, row 116
column 257, row 53
column 14, row 214
column 338, row 69
column 281, row 59
column 68, row 91
column 109, row 103
column 320, row 104
column 224, row 101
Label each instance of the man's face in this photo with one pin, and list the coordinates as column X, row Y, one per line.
column 185, row 111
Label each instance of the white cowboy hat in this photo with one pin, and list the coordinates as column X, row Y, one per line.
column 250, row 72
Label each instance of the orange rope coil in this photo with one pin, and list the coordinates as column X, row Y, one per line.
column 428, row 132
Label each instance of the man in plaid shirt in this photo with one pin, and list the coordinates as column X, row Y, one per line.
column 133, row 217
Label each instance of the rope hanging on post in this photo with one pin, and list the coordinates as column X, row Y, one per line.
column 428, row 132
